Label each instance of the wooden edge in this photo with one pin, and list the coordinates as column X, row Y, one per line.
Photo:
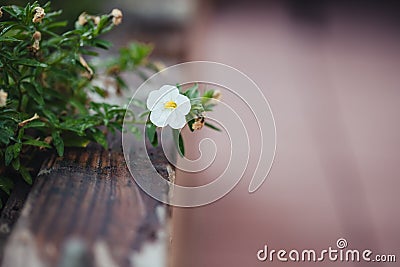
column 86, row 210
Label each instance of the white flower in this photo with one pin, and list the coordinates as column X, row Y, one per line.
column 168, row 107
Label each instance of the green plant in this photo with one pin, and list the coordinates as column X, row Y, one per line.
column 46, row 83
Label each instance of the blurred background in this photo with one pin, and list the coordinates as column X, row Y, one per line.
column 331, row 73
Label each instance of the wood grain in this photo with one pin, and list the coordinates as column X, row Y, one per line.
column 85, row 209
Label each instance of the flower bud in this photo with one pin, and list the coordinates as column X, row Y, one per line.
column 198, row 123
column 39, row 15
column 217, row 95
column 3, row 98
column 23, row 123
column 117, row 16
column 82, row 19
column 37, row 36
column 96, row 20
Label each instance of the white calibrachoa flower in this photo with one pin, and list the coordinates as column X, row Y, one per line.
column 168, row 107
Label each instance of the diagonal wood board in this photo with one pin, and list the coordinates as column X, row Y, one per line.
column 85, row 209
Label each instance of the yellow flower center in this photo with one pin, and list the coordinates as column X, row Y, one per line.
column 170, row 104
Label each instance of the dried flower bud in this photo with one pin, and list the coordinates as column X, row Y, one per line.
column 43, row 79
column 47, row 140
column 37, row 36
column 39, row 10
column 36, row 46
column 117, row 16
column 86, row 66
column 1, row 12
column 159, row 66
column 217, row 95
column 116, row 13
column 82, row 19
column 23, row 123
column 198, row 123
column 96, row 20
column 3, row 98
column 114, row 70
column 39, row 15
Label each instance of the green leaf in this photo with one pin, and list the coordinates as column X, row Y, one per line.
column 51, row 83
column 190, row 120
column 35, row 124
column 151, row 132
column 9, row 155
column 31, row 63
column 209, row 107
column 79, row 106
column 9, row 114
column 102, row 43
column 6, row 132
column 192, row 92
column 207, row 96
column 100, row 91
column 9, row 39
column 73, row 140
column 135, row 53
column 17, row 149
column 35, row 96
column 38, row 143
column 102, row 23
column 178, row 140
column 212, row 127
column 144, row 114
column 12, row 152
column 51, row 117
column 25, row 174
column 58, row 143
column 57, row 24
column 135, row 130
column 16, row 164
column 6, row 184
column 99, row 137
column 12, row 10
column 138, row 103
column 121, row 82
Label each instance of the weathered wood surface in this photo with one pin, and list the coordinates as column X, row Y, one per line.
column 85, row 209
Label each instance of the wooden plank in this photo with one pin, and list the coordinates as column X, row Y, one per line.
column 13, row 207
column 12, row 210
column 86, row 210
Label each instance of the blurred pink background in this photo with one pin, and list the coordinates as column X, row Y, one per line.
column 331, row 74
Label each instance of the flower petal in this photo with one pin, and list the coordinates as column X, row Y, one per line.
column 176, row 120
column 152, row 99
column 160, row 117
column 157, row 96
column 183, row 103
